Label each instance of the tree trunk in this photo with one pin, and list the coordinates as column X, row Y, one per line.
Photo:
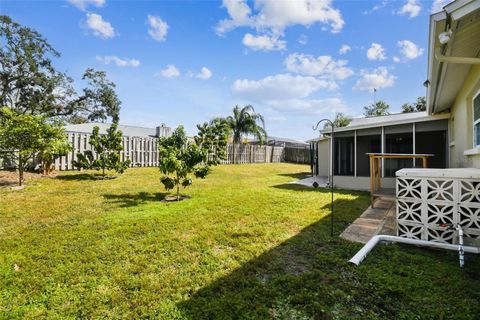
column 178, row 188
column 20, row 172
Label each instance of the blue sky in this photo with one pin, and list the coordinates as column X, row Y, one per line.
column 184, row 62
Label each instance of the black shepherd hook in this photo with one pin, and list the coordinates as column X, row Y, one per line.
column 332, row 125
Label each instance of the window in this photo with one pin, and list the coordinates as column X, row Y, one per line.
column 476, row 120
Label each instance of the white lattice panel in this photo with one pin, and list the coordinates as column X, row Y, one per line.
column 426, row 204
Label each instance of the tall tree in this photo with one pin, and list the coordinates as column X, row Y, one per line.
column 107, row 148
column 22, row 136
column 30, row 84
column 419, row 105
column 246, row 121
column 341, row 120
column 379, row 108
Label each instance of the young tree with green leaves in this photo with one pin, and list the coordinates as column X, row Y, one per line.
column 22, row 136
column 379, row 108
column 213, row 138
column 55, row 145
column 245, row 121
column 178, row 158
column 30, row 84
column 107, row 148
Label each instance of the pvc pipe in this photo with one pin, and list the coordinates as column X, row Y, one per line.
column 358, row 258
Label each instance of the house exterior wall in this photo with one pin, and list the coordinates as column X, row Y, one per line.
column 323, row 157
column 462, row 151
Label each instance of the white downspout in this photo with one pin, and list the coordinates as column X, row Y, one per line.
column 358, row 258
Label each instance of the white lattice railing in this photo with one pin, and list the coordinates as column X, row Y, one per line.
column 430, row 200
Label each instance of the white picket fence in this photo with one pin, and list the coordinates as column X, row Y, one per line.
column 141, row 151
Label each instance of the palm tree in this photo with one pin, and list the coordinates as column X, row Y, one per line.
column 246, row 121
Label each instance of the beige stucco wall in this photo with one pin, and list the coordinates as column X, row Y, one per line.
column 461, row 124
column 324, row 157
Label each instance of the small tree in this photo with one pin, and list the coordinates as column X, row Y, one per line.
column 55, row 145
column 419, row 105
column 341, row 120
column 22, row 136
column 179, row 158
column 107, row 148
column 213, row 138
column 379, row 108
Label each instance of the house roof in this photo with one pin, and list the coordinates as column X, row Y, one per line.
column 389, row 120
column 384, row 121
column 131, row 131
column 449, row 63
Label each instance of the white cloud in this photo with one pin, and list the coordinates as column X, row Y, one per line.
column 100, row 27
column 204, row 74
column 275, row 15
column 396, row 59
column 303, row 39
column 280, row 86
column 438, row 5
column 118, row 61
column 263, row 42
column 158, row 28
column 322, row 66
column 409, row 49
column 411, row 8
column 344, row 49
column 170, row 71
column 376, row 52
column 83, row 4
column 376, row 7
column 377, row 79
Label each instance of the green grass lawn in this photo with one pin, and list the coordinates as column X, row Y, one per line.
column 246, row 245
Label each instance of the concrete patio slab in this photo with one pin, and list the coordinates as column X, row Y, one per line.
column 308, row 182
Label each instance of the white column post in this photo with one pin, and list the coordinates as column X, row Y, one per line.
column 355, row 153
column 383, row 151
column 414, row 128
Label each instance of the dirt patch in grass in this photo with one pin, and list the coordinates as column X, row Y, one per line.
column 9, row 178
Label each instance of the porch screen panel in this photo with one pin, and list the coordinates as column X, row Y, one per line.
column 344, row 156
column 368, row 141
column 398, row 139
column 431, row 137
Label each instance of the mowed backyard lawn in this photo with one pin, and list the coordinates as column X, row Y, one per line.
column 246, row 245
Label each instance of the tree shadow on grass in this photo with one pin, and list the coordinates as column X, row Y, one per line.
column 130, row 200
column 295, row 280
column 79, row 176
column 296, row 175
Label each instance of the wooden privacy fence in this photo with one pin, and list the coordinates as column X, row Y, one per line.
column 143, row 152
column 245, row 153
column 297, row 154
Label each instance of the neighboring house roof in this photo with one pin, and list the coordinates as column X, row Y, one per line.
column 449, row 63
column 271, row 139
column 130, row 131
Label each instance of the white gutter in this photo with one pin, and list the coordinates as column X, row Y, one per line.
column 358, row 258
